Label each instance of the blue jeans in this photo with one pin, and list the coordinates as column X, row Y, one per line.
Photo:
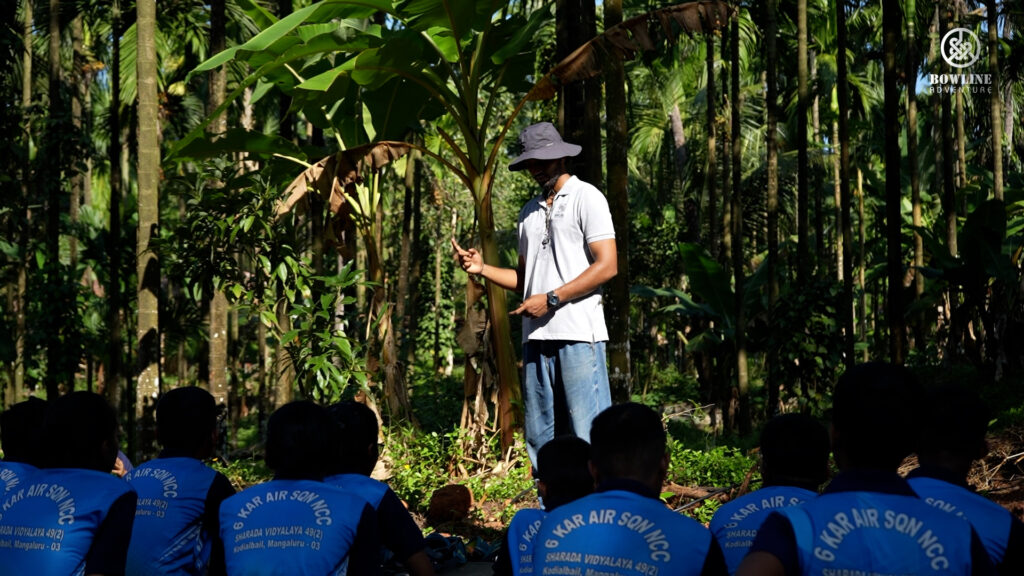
column 565, row 385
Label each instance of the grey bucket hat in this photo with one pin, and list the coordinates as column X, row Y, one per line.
column 542, row 141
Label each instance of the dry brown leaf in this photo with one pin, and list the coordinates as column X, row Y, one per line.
column 642, row 33
column 332, row 176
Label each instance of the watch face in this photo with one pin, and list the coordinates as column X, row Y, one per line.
column 552, row 299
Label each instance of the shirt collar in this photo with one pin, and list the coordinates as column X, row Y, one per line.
column 938, row 473
column 628, row 485
column 867, row 480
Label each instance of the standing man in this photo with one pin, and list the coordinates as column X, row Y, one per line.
column 566, row 252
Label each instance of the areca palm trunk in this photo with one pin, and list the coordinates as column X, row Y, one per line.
column 803, row 263
column 915, row 184
column 218, row 310
column 112, row 383
column 772, row 196
column 844, row 221
column 736, row 207
column 995, row 98
column 52, row 181
column 619, row 376
column 894, row 252
column 147, row 264
column 20, row 299
column 710, row 183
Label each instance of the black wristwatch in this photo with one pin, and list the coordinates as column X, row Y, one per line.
column 552, row 299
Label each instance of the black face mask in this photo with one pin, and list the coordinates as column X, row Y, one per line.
column 549, row 186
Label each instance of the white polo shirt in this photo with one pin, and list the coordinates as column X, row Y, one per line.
column 555, row 244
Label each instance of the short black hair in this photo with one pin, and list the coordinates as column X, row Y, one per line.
column 21, row 431
column 563, row 467
column 301, row 441
column 794, row 451
column 953, row 419
column 80, row 432
column 185, row 419
column 875, row 414
column 627, row 441
column 358, row 431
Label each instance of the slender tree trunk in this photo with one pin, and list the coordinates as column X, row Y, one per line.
column 403, row 298
column 992, row 10
column 894, row 261
column 862, row 265
column 915, row 183
column 803, row 261
column 283, row 377
column 949, row 206
column 726, row 250
column 112, row 385
column 772, row 208
column 816, row 187
column 843, row 221
column 218, row 310
column 55, row 352
column 580, row 105
column 416, row 274
column 618, row 199
column 21, row 299
column 710, row 171
column 77, row 176
column 837, row 199
column 147, row 264
column 742, row 376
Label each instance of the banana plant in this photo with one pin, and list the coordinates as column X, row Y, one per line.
column 368, row 79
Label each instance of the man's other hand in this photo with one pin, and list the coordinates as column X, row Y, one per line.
column 533, row 307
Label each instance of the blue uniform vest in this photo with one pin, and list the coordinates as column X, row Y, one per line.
column 991, row 521
column 521, row 537
column 168, row 535
column 869, row 532
column 47, row 524
column 622, row 533
column 367, row 488
column 289, row 527
column 13, row 475
column 735, row 524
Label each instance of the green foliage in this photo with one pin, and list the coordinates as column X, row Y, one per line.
column 243, row 472
column 423, row 462
column 719, row 467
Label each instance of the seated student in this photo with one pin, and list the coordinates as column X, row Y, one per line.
column 177, row 519
column 21, row 433
column 295, row 524
column 72, row 516
column 952, row 438
column 868, row 520
column 794, row 463
column 351, row 471
column 624, row 528
column 563, row 475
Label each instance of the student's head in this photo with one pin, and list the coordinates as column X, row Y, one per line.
column 301, row 441
column 628, row 441
column 563, row 471
column 875, row 416
column 794, row 452
column 954, row 421
column 186, row 422
column 80, row 432
column 358, row 446
column 21, row 431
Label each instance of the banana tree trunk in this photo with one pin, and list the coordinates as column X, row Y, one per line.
column 501, row 339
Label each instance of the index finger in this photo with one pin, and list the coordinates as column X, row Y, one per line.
column 456, row 246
